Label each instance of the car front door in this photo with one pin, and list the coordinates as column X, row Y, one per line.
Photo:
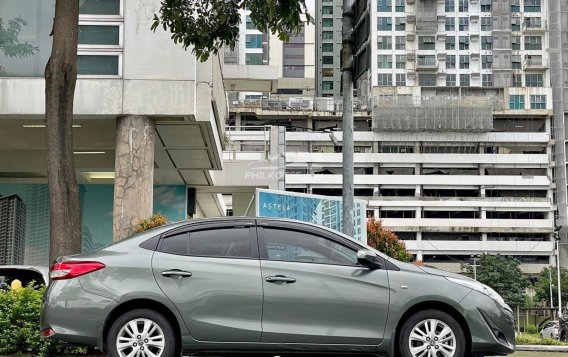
column 212, row 275
column 315, row 292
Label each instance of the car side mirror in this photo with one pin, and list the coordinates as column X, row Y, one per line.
column 368, row 259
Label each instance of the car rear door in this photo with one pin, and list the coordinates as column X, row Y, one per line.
column 212, row 274
column 314, row 290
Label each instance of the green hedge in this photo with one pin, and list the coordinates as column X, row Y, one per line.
column 19, row 325
column 534, row 339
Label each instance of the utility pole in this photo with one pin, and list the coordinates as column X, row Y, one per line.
column 474, row 265
column 347, row 119
column 557, row 241
column 550, row 285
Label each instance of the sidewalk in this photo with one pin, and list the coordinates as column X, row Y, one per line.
column 542, row 348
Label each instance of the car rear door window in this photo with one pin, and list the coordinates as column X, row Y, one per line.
column 297, row 246
column 230, row 243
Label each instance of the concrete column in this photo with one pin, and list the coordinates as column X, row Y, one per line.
column 418, row 212
column 420, row 255
column 375, row 191
column 418, row 191
column 484, row 237
column 418, row 236
column 238, row 121
column 483, row 213
column 134, row 173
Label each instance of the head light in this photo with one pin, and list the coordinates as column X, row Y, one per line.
column 482, row 288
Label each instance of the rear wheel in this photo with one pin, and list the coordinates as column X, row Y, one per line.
column 141, row 333
column 432, row 333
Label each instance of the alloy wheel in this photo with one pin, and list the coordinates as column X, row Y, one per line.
column 140, row 338
column 432, row 338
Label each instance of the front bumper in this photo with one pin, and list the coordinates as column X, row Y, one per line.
column 492, row 325
column 75, row 315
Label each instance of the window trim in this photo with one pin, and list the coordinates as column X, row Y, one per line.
column 95, row 17
column 211, row 226
column 102, row 53
column 120, row 45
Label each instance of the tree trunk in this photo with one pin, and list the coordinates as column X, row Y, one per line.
column 60, row 79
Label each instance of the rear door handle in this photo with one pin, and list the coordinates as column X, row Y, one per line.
column 280, row 279
column 175, row 273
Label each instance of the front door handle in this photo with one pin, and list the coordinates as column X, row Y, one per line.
column 175, row 273
column 280, row 279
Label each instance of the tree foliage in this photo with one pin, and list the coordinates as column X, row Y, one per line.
column 503, row 275
column 10, row 45
column 384, row 240
column 207, row 25
column 542, row 286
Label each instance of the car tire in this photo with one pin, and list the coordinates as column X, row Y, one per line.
column 153, row 332
column 421, row 341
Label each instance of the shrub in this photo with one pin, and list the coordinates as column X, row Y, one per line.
column 534, row 339
column 385, row 241
column 156, row 220
column 530, row 329
column 19, row 325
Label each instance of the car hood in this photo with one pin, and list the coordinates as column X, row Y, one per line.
column 435, row 271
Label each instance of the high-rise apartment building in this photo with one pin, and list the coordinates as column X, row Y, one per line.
column 12, row 230
column 328, row 50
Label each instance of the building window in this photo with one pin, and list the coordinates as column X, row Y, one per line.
column 253, row 41
column 400, row 24
column 486, row 5
column 486, row 42
column 516, row 62
column 384, row 42
column 517, row 80
column 464, row 24
column 464, row 80
column 400, row 42
column 538, row 101
column 327, row 85
column 327, row 47
column 384, row 61
column 400, row 80
column 426, row 43
column 532, row 6
column 384, row 5
column 327, row 35
column 464, row 42
column 384, row 24
column 515, row 5
column 463, row 5
column 250, row 24
column 399, row 5
column 486, row 61
column 327, row 59
column 487, row 80
column 516, row 102
column 516, row 43
column 327, row 22
column 97, row 7
column 401, row 61
column 533, row 43
column 516, row 24
column 534, row 80
column 327, row 72
column 464, row 61
column 450, row 80
column 427, row 60
column 450, row 5
column 253, row 58
column 486, row 24
column 450, row 61
column 98, row 64
column 450, row 23
column 427, row 79
column 450, row 43
column 327, row 10
column 385, row 79
column 99, row 35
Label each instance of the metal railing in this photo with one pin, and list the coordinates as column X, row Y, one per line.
column 319, row 104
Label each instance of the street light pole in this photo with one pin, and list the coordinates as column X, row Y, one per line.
column 558, row 283
column 550, row 285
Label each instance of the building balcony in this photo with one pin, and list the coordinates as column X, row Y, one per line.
column 426, row 64
column 534, row 26
column 535, row 64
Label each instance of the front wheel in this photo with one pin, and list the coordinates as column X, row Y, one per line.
column 432, row 333
column 141, row 333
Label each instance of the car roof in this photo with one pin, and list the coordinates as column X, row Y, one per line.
column 44, row 271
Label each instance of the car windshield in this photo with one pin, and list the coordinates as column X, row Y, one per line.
column 25, row 276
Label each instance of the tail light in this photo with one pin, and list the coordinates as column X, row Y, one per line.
column 70, row 270
column 47, row 332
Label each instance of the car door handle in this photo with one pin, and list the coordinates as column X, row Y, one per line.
column 280, row 279
column 176, row 274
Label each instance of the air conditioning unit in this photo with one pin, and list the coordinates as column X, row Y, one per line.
column 315, row 148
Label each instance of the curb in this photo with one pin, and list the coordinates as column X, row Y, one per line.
column 542, row 348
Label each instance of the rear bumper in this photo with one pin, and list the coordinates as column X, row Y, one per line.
column 75, row 315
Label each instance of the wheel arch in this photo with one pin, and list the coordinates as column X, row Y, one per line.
column 435, row 305
column 135, row 304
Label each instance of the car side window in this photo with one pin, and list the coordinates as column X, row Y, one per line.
column 229, row 242
column 297, row 246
